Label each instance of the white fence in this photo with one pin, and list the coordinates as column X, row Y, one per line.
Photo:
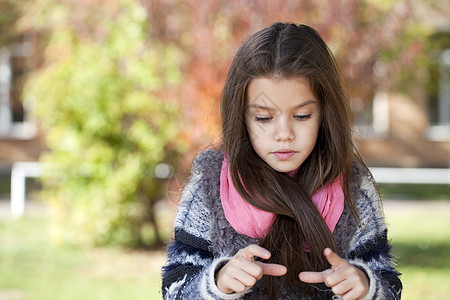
column 411, row 175
column 21, row 170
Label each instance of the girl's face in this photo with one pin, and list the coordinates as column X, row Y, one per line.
column 283, row 119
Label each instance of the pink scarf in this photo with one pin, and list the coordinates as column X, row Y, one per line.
column 255, row 223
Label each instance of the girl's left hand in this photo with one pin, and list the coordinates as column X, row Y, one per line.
column 344, row 278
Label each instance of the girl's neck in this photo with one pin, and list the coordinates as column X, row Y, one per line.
column 292, row 173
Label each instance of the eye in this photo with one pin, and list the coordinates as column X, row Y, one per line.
column 302, row 117
column 263, row 119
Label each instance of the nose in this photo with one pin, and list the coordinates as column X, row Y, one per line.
column 284, row 131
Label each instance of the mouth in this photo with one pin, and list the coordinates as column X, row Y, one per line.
column 284, row 154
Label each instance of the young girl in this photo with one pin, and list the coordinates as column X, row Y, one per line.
column 284, row 208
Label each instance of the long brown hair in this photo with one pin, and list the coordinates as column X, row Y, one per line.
column 285, row 51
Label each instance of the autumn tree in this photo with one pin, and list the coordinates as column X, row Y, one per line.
column 105, row 103
column 373, row 41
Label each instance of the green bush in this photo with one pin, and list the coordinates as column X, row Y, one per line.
column 101, row 101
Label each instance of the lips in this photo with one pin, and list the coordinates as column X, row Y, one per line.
column 284, row 154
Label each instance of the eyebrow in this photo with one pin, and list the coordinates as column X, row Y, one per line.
column 308, row 102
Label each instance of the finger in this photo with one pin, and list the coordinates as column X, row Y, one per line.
column 347, row 273
column 355, row 293
column 245, row 278
column 251, row 268
column 253, row 250
column 354, row 286
column 334, row 259
column 236, row 286
column 234, row 279
column 342, row 287
column 228, row 284
column 273, row 269
column 314, row 277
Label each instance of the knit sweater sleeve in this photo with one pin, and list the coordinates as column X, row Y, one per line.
column 369, row 247
column 189, row 271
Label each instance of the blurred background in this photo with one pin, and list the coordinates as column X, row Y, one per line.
column 103, row 105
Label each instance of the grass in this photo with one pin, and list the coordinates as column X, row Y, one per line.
column 421, row 241
column 415, row 191
column 32, row 268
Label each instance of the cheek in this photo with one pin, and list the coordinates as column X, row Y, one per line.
column 308, row 136
column 254, row 130
column 253, row 135
column 314, row 137
column 257, row 138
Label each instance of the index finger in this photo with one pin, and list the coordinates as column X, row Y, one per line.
column 314, row 277
column 272, row 269
column 334, row 259
column 254, row 250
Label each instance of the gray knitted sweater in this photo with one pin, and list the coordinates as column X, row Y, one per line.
column 204, row 240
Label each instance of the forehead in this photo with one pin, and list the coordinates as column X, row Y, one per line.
column 279, row 93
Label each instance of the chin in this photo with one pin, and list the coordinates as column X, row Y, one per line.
column 284, row 169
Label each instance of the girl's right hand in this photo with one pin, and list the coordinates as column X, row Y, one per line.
column 243, row 271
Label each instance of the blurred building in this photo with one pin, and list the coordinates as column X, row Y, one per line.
column 397, row 130
column 20, row 139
